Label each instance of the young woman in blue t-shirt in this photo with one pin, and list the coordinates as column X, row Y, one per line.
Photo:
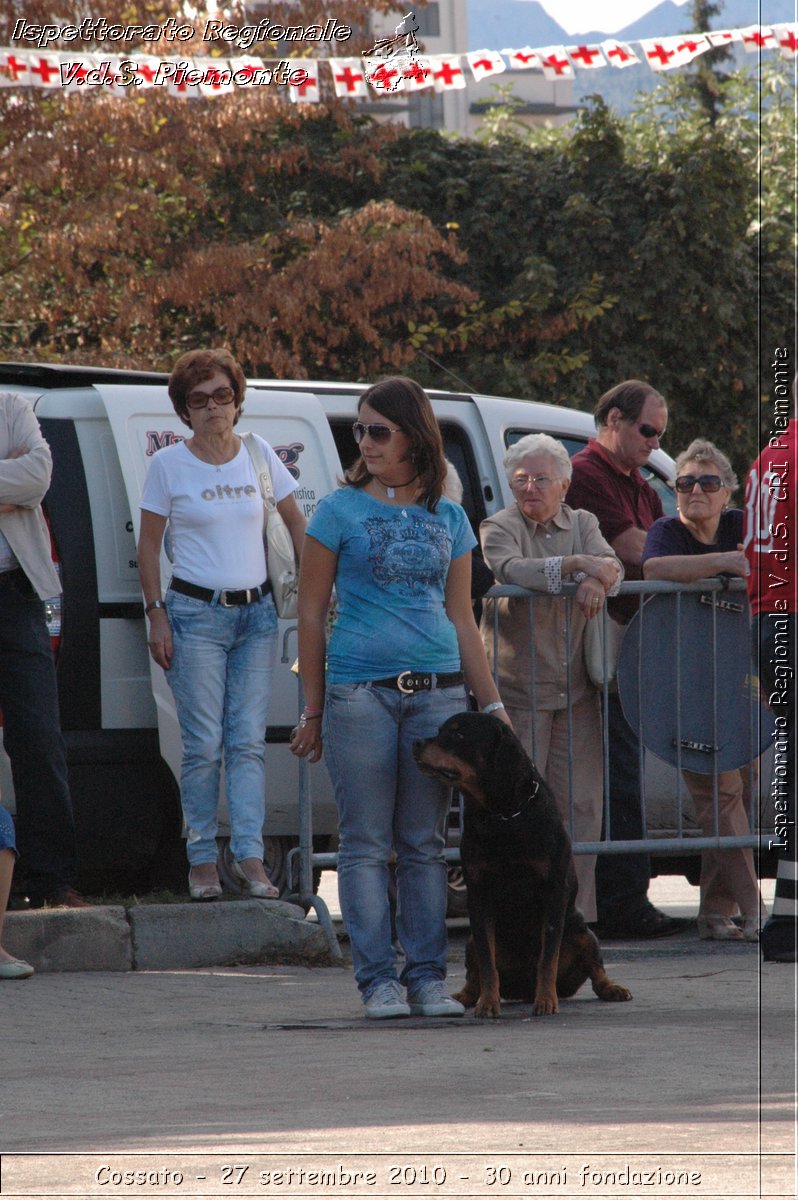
column 404, row 641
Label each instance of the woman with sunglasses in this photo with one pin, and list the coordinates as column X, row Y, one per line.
column 215, row 632
column 705, row 539
column 398, row 553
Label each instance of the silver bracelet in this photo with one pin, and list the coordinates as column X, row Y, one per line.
column 489, row 708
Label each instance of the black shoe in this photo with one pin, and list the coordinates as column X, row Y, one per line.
column 779, row 941
column 647, row 922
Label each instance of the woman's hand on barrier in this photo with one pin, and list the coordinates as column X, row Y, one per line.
column 160, row 640
column 605, row 570
column 590, row 597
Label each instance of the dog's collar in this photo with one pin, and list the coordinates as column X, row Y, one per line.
column 525, row 805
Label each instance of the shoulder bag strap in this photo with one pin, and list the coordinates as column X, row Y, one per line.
column 261, row 469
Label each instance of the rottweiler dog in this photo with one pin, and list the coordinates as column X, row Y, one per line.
column 528, row 940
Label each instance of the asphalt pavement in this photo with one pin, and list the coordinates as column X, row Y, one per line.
column 264, row 1079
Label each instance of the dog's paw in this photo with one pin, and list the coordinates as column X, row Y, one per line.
column 487, row 1006
column 465, row 997
column 545, row 1006
column 615, row 991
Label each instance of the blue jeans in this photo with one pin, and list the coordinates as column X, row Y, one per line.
column 220, row 678
column 385, row 804
column 33, row 741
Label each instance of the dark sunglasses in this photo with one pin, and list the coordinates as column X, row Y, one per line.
column 378, row 433
column 222, row 395
column 648, row 431
column 707, row 483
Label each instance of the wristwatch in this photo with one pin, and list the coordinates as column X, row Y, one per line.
column 154, row 604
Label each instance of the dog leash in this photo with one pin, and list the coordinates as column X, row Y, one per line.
column 526, row 804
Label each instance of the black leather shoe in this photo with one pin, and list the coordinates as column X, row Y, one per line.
column 648, row 922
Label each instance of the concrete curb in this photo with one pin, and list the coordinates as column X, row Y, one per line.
column 161, row 937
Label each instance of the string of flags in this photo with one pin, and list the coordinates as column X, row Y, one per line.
column 359, row 77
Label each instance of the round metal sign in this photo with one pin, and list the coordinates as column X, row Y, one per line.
column 686, row 681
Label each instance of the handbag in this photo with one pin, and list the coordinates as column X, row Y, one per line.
column 602, row 637
column 280, row 557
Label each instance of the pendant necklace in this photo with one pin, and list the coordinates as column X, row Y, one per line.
column 390, row 488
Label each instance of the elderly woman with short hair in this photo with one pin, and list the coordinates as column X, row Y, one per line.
column 538, row 543
column 706, row 539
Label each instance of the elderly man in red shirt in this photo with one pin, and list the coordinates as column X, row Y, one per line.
column 630, row 420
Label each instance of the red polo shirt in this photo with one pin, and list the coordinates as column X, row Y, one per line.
column 620, row 502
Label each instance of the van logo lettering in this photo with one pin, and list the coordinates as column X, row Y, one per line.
column 289, row 456
column 157, row 441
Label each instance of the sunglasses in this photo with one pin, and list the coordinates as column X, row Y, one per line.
column 380, row 434
column 222, row 395
column 648, row 431
column 707, row 483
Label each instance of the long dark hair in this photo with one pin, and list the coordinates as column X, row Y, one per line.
column 404, row 402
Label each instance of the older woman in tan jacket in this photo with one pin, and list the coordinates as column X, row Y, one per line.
column 538, row 543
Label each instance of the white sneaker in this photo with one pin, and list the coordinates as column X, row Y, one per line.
column 386, row 1001
column 430, row 999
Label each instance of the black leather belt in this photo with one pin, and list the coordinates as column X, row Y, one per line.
column 419, row 681
column 227, row 598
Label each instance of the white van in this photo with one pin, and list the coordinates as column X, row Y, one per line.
column 117, row 713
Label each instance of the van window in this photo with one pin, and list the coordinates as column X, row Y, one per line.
column 457, row 448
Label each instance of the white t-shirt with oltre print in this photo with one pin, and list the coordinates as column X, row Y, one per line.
column 215, row 514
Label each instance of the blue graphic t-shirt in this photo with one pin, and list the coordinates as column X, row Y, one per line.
column 393, row 562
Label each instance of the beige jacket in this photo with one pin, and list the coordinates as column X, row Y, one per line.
column 24, row 482
column 516, row 549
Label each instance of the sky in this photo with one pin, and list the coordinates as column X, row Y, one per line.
column 576, row 16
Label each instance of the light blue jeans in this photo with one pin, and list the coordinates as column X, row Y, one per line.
column 220, row 678
column 384, row 804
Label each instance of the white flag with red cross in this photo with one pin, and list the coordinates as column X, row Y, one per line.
column 522, row 60
column 555, row 63
column 44, row 70
column 386, row 75
column 586, row 58
column 662, row 54
column 757, row 37
column 787, row 40
column 447, row 74
column 484, row 63
column 619, row 54
column 14, row 68
column 307, row 92
column 418, row 74
column 349, row 77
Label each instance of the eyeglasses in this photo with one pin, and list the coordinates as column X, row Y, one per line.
column 707, row 483
column 648, row 431
column 378, row 433
column 520, row 483
column 222, row 395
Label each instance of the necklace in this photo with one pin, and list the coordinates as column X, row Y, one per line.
column 390, row 488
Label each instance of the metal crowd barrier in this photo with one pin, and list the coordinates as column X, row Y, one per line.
column 663, row 785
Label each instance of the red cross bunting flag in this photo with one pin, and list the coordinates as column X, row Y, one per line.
column 522, row 60
column 419, row 74
column 349, row 78
column 377, row 74
column 663, row 54
column 757, row 37
column 484, row 63
column 787, row 39
column 308, row 91
column 555, row 63
column 447, row 75
column 619, row 54
column 586, row 57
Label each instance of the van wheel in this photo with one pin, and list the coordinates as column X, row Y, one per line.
column 275, row 862
column 456, row 897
